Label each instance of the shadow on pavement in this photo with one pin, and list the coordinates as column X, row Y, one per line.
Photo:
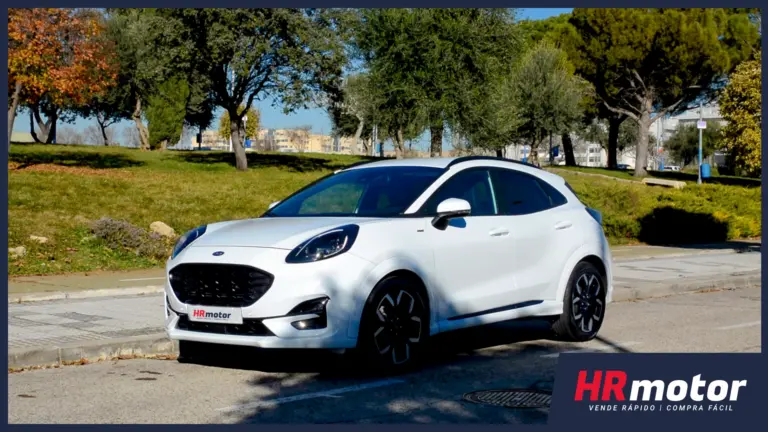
column 447, row 347
column 454, row 361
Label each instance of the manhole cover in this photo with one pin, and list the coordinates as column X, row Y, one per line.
column 525, row 398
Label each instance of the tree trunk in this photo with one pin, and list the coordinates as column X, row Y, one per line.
column 45, row 127
column 237, row 129
column 534, row 154
column 12, row 111
column 358, row 132
column 52, row 131
column 102, row 125
column 641, row 150
column 570, row 160
column 143, row 133
column 614, row 122
column 399, row 145
column 436, row 141
column 499, row 153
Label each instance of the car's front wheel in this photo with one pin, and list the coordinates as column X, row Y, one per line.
column 583, row 305
column 395, row 325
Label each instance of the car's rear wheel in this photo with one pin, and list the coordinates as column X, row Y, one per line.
column 395, row 326
column 583, row 305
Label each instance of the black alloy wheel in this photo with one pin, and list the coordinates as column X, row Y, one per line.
column 395, row 326
column 584, row 305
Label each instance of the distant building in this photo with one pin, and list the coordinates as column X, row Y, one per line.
column 21, row 137
column 664, row 128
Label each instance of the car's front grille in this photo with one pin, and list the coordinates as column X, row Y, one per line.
column 249, row 327
column 219, row 284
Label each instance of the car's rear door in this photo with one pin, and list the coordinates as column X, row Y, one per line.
column 542, row 234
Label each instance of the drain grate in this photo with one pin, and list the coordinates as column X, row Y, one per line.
column 523, row 398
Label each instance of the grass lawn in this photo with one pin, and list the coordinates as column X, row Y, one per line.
column 56, row 191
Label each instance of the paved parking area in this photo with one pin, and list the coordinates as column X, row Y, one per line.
column 249, row 386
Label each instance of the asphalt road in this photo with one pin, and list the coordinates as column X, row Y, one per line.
column 314, row 388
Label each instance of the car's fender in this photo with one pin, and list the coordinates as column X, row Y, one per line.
column 599, row 250
column 382, row 270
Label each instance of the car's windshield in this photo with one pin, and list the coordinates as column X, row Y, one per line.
column 364, row 192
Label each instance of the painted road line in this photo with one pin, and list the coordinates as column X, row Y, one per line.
column 141, row 279
column 589, row 350
column 305, row 396
column 738, row 326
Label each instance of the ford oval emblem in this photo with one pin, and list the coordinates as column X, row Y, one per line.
column 218, row 253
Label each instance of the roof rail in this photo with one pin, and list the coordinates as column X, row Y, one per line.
column 471, row 158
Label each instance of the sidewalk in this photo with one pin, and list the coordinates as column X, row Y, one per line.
column 97, row 284
column 55, row 331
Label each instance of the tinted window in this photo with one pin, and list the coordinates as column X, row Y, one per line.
column 371, row 192
column 474, row 186
column 518, row 193
column 555, row 197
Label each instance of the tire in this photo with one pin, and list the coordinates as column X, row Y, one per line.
column 583, row 305
column 394, row 327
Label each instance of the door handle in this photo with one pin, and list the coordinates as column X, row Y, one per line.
column 563, row 225
column 499, row 232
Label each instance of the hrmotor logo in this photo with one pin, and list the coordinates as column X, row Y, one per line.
column 616, row 393
column 202, row 313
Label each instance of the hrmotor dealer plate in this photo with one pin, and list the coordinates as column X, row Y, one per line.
column 219, row 315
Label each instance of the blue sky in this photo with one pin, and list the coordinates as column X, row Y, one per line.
column 272, row 116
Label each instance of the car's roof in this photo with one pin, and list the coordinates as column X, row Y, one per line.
column 423, row 162
column 441, row 162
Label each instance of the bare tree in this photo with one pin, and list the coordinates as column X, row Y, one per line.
column 300, row 137
column 131, row 138
column 97, row 136
column 68, row 135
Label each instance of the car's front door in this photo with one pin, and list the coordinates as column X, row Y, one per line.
column 472, row 253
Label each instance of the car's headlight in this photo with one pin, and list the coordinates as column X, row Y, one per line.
column 324, row 245
column 187, row 239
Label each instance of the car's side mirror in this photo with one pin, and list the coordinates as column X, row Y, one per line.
column 450, row 209
column 273, row 204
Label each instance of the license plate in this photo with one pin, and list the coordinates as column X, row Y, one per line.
column 220, row 315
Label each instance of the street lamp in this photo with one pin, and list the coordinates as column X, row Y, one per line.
column 700, row 125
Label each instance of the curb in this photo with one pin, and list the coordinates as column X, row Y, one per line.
column 687, row 254
column 575, row 172
column 104, row 292
column 156, row 289
column 653, row 290
column 157, row 343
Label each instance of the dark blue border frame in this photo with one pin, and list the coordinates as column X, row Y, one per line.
column 751, row 373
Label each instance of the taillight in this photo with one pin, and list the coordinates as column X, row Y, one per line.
column 595, row 215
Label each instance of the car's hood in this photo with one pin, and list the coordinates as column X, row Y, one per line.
column 272, row 232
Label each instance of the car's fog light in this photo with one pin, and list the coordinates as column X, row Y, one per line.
column 311, row 324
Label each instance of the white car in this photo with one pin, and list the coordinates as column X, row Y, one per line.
column 383, row 255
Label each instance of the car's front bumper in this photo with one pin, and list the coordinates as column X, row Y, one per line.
column 339, row 278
